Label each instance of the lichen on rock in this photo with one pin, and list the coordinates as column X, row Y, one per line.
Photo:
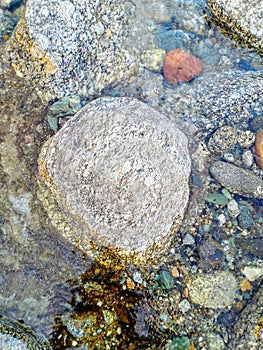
column 117, row 173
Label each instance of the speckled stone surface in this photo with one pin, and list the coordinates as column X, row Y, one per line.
column 68, row 47
column 217, row 291
column 237, row 180
column 243, row 18
column 247, row 332
column 15, row 335
column 119, row 171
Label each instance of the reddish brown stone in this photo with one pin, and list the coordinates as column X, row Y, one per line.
column 181, row 66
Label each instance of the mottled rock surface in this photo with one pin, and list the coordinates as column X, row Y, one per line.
column 247, row 331
column 72, row 47
column 213, row 291
column 119, row 173
column 237, row 180
column 215, row 99
column 241, row 18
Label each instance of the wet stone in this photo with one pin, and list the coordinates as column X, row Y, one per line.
column 118, row 172
column 250, row 245
column 164, row 280
column 242, row 19
column 16, row 336
column 237, row 180
column 215, row 291
column 253, row 272
column 66, row 47
column 233, row 208
column 222, row 140
column 181, row 66
column 247, row 331
column 244, row 219
column 246, row 138
column 211, row 254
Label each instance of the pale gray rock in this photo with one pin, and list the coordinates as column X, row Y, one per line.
column 216, row 99
column 242, row 18
column 119, row 173
column 237, row 180
column 72, row 47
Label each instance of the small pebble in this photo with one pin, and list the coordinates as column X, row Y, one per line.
column 223, row 139
column 185, row 306
column 247, row 158
column 181, row 66
column 188, row 240
column 245, row 221
column 253, row 272
column 210, row 254
column 233, row 208
column 153, row 59
column 246, row 138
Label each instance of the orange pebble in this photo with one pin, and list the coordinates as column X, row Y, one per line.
column 245, row 285
column 258, row 149
column 181, row 66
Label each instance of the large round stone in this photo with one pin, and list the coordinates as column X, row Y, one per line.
column 118, row 172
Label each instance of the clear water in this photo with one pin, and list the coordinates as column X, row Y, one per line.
column 41, row 272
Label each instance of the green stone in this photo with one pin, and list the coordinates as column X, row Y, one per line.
column 217, row 198
column 164, row 280
column 180, row 343
column 66, row 106
column 53, row 122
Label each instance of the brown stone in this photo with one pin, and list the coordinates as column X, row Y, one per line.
column 181, row 66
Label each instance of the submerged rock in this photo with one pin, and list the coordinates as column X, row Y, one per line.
column 247, row 331
column 181, row 66
column 15, row 335
column 72, row 47
column 242, row 19
column 116, row 173
column 216, row 291
column 237, row 180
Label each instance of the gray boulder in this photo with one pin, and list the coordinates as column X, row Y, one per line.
column 117, row 174
column 243, row 19
column 72, row 47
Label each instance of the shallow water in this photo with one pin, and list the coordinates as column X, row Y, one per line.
column 45, row 280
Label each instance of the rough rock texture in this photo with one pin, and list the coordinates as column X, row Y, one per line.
column 237, row 180
column 68, row 47
column 181, row 66
column 214, row 99
column 248, row 330
column 215, row 291
column 242, row 18
column 17, row 336
column 119, row 172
